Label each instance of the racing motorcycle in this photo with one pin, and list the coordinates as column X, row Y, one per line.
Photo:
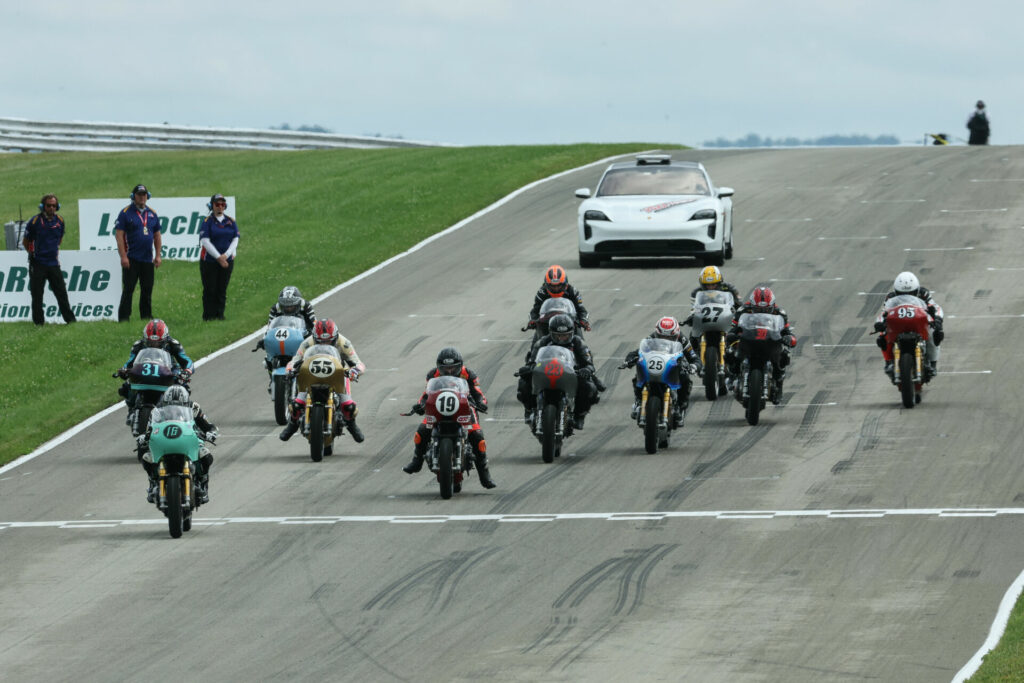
column 711, row 317
column 761, row 348
column 659, row 369
column 174, row 446
column 324, row 377
column 449, row 413
column 554, row 385
column 152, row 371
column 281, row 341
column 907, row 326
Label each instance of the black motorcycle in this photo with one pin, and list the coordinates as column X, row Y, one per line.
column 761, row 350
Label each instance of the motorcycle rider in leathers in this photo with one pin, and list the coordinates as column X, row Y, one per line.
column 561, row 332
column 710, row 279
column 156, row 335
column 556, row 285
column 449, row 362
column 906, row 283
column 290, row 302
column 668, row 328
column 178, row 396
column 762, row 300
column 326, row 332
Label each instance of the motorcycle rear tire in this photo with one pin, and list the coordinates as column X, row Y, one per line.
column 755, row 384
column 175, row 520
column 445, row 476
column 653, row 419
column 280, row 400
column 711, row 373
column 548, row 420
column 316, row 433
column 907, row 379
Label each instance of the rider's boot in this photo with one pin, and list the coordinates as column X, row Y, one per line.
column 289, row 430
column 416, row 464
column 527, row 416
column 484, row 473
column 354, row 430
column 634, row 413
column 577, row 421
column 889, row 370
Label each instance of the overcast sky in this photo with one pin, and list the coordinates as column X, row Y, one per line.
column 522, row 71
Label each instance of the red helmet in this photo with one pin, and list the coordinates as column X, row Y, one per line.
column 555, row 281
column 763, row 299
column 156, row 333
column 667, row 328
column 325, row 331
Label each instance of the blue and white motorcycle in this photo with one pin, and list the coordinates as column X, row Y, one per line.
column 282, row 339
column 660, row 373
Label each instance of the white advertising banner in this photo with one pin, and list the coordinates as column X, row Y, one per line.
column 180, row 220
column 93, row 280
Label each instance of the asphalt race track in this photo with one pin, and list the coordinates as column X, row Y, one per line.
column 843, row 538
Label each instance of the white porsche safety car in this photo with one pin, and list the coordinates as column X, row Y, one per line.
column 655, row 206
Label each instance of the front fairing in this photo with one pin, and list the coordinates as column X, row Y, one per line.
column 659, row 362
column 555, row 368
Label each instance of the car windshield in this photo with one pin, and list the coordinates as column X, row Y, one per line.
column 653, row 180
column 655, row 345
column 448, row 382
column 171, row 414
column 904, row 300
column 292, row 321
column 322, row 350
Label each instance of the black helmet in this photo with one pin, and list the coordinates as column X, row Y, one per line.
column 449, row 361
column 561, row 329
column 176, row 395
column 290, row 301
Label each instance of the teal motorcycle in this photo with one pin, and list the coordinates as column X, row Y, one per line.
column 174, row 447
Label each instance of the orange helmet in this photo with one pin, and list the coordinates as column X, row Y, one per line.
column 555, row 281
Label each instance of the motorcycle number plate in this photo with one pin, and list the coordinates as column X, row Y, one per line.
column 281, row 334
column 655, row 363
column 447, row 403
column 321, row 367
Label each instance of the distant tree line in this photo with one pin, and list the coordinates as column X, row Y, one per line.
column 755, row 140
column 303, row 128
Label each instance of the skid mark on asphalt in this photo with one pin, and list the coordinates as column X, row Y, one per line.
column 627, row 575
column 872, row 300
column 811, row 415
column 440, row 579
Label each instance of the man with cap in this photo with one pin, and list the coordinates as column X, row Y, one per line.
column 219, row 239
column 137, row 230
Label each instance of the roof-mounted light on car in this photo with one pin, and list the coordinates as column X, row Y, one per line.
column 653, row 159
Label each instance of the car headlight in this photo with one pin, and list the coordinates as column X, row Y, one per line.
column 703, row 215
column 595, row 216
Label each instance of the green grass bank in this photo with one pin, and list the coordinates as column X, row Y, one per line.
column 312, row 218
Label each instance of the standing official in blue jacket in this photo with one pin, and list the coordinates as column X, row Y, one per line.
column 42, row 240
column 137, row 230
column 219, row 239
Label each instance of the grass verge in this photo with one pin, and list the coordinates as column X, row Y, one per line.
column 330, row 202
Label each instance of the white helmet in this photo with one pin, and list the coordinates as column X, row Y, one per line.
column 906, row 283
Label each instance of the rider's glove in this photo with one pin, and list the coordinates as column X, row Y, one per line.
column 532, row 325
column 480, row 407
column 525, row 370
column 259, row 344
column 418, row 409
column 353, row 374
column 584, row 373
column 879, row 326
column 632, row 357
column 585, row 324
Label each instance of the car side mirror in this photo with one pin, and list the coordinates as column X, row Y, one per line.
column 583, row 193
column 725, row 192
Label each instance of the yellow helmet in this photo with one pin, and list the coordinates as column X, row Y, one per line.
column 711, row 275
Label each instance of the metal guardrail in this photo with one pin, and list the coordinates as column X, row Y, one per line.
column 76, row 136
